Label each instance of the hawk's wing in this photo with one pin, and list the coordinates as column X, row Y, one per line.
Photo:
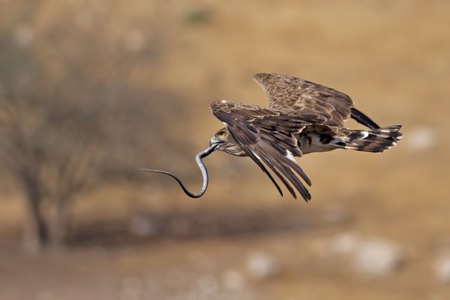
column 268, row 137
column 298, row 96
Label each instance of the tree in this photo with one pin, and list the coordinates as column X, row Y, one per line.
column 50, row 149
column 70, row 118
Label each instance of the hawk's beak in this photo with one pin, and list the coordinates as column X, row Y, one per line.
column 214, row 141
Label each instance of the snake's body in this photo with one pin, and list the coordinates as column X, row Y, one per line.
column 201, row 165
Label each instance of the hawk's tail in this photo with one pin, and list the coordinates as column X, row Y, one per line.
column 375, row 140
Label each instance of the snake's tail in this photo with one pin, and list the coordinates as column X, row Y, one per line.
column 186, row 191
column 201, row 165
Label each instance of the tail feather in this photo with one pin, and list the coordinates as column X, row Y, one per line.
column 376, row 140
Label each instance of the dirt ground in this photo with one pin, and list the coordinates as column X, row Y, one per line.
column 242, row 241
column 294, row 263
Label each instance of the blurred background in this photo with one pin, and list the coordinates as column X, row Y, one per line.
column 93, row 90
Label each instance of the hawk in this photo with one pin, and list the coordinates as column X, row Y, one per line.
column 302, row 117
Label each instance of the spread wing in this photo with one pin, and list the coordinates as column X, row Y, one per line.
column 298, row 96
column 268, row 138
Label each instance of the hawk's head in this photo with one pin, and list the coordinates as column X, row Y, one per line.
column 225, row 142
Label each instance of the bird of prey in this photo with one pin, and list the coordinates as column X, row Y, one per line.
column 302, row 117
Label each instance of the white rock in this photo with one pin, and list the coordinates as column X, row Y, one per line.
column 421, row 138
column 376, row 257
column 344, row 243
column 261, row 265
column 442, row 268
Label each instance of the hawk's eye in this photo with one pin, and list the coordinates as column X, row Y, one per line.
column 223, row 135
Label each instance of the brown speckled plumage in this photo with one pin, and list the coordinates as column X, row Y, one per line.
column 302, row 117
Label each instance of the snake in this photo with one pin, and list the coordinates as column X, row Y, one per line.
column 201, row 165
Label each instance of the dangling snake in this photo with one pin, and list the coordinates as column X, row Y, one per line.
column 201, row 165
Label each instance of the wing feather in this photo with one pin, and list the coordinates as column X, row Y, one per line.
column 283, row 165
column 268, row 137
column 275, row 169
column 289, row 93
column 363, row 119
column 258, row 163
